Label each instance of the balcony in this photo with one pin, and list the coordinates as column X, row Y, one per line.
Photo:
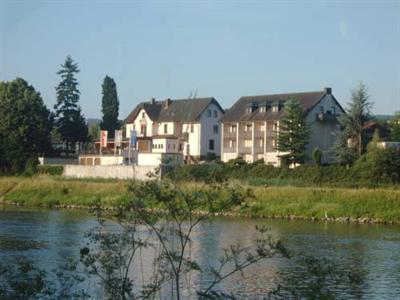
column 229, row 135
column 245, row 134
column 326, row 117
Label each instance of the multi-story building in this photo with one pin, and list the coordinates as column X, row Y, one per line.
column 187, row 126
column 250, row 127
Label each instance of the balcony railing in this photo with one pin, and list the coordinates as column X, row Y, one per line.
column 229, row 134
column 326, row 117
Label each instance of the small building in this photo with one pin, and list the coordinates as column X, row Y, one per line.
column 190, row 127
column 250, row 127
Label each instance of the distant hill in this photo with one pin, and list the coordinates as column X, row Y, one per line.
column 383, row 117
column 91, row 121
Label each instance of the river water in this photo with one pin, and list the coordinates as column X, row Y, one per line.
column 371, row 252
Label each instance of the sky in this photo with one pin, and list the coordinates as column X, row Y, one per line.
column 223, row 49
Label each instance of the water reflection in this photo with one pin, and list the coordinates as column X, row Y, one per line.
column 370, row 253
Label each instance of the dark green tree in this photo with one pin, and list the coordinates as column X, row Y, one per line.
column 109, row 105
column 353, row 122
column 294, row 133
column 25, row 126
column 69, row 120
column 394, row 126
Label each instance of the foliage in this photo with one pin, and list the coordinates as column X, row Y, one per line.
column 358, row 113
column 379, row 165
column 109, row 105
column 70, row 122
column 50, row 170
column 317, row 156
column 25, row 126
column 170, row 214
column 343, row 154
column 22, row 280
column 94, row 134
column 293, row 133
column 394, row 126
column 316, row 281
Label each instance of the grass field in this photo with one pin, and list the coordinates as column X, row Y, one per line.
column 272, row 201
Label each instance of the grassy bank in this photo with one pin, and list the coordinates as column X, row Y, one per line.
column 382, row 204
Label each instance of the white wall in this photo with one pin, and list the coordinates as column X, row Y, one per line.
column 168, row 145
column 193, row 138
column 207, row 133
column 155, row 159
column 138, row 122
column 120, row 172
column 323, row 134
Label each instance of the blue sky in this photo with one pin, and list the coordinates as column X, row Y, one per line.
column 166, row 49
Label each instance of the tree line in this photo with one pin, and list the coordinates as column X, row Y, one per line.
column 28, row 128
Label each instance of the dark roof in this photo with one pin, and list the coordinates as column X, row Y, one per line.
column 238, row 113
column 183, row 110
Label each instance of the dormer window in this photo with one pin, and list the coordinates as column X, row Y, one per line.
column 262, row 109
column 275, row 108
column 248, row 110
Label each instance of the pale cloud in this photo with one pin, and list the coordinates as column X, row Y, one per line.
column 343, row 29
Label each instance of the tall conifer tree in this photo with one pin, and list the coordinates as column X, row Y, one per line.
column 352, row 123
column 293, row 134
column 70, row 122
column 109, row 105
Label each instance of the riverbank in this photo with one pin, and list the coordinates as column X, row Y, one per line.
column 362, row 205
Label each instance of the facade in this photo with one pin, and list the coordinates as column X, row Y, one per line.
column 187, row 126
column 250, row 127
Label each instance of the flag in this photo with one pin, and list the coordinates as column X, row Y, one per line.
column 133, row 138
column 118, row 138
column 103, row 138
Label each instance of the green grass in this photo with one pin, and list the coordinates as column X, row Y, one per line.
column 263, row 201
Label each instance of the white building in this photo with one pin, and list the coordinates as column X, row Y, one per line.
column 187, row 126
column 250, row 126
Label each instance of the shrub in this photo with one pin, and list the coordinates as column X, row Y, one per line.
column 50, row 170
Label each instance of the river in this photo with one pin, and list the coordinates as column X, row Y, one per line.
column 370, row 251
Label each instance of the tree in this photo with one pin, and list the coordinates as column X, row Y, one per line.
column 25, row 126
column 70, row 122
column 353, row 121
column 294, row 133
column 394, row 126
column 109, row 105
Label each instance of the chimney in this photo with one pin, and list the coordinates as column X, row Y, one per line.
column 328, row 90
column 153, row 101
column 167, row 103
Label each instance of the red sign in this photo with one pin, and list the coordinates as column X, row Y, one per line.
column 103, row 138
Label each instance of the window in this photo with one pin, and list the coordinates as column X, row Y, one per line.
column 209, row 113
column 334, row 110
column 275, row 127
column 262, row 109
column 165, row 128
column 191, row 128
column 169, row 145
column 247, row 143
column 211, row 145
column 180, row 147
column 174, row 146
column 143, row 130
column 215, row 114
column 275, row 108
column 273, row 143
column 233, row 128
column 143, row 115
column 215, row 129
column 261, row 143
column 232, row 144
column 248, row 127
column 162, row 146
